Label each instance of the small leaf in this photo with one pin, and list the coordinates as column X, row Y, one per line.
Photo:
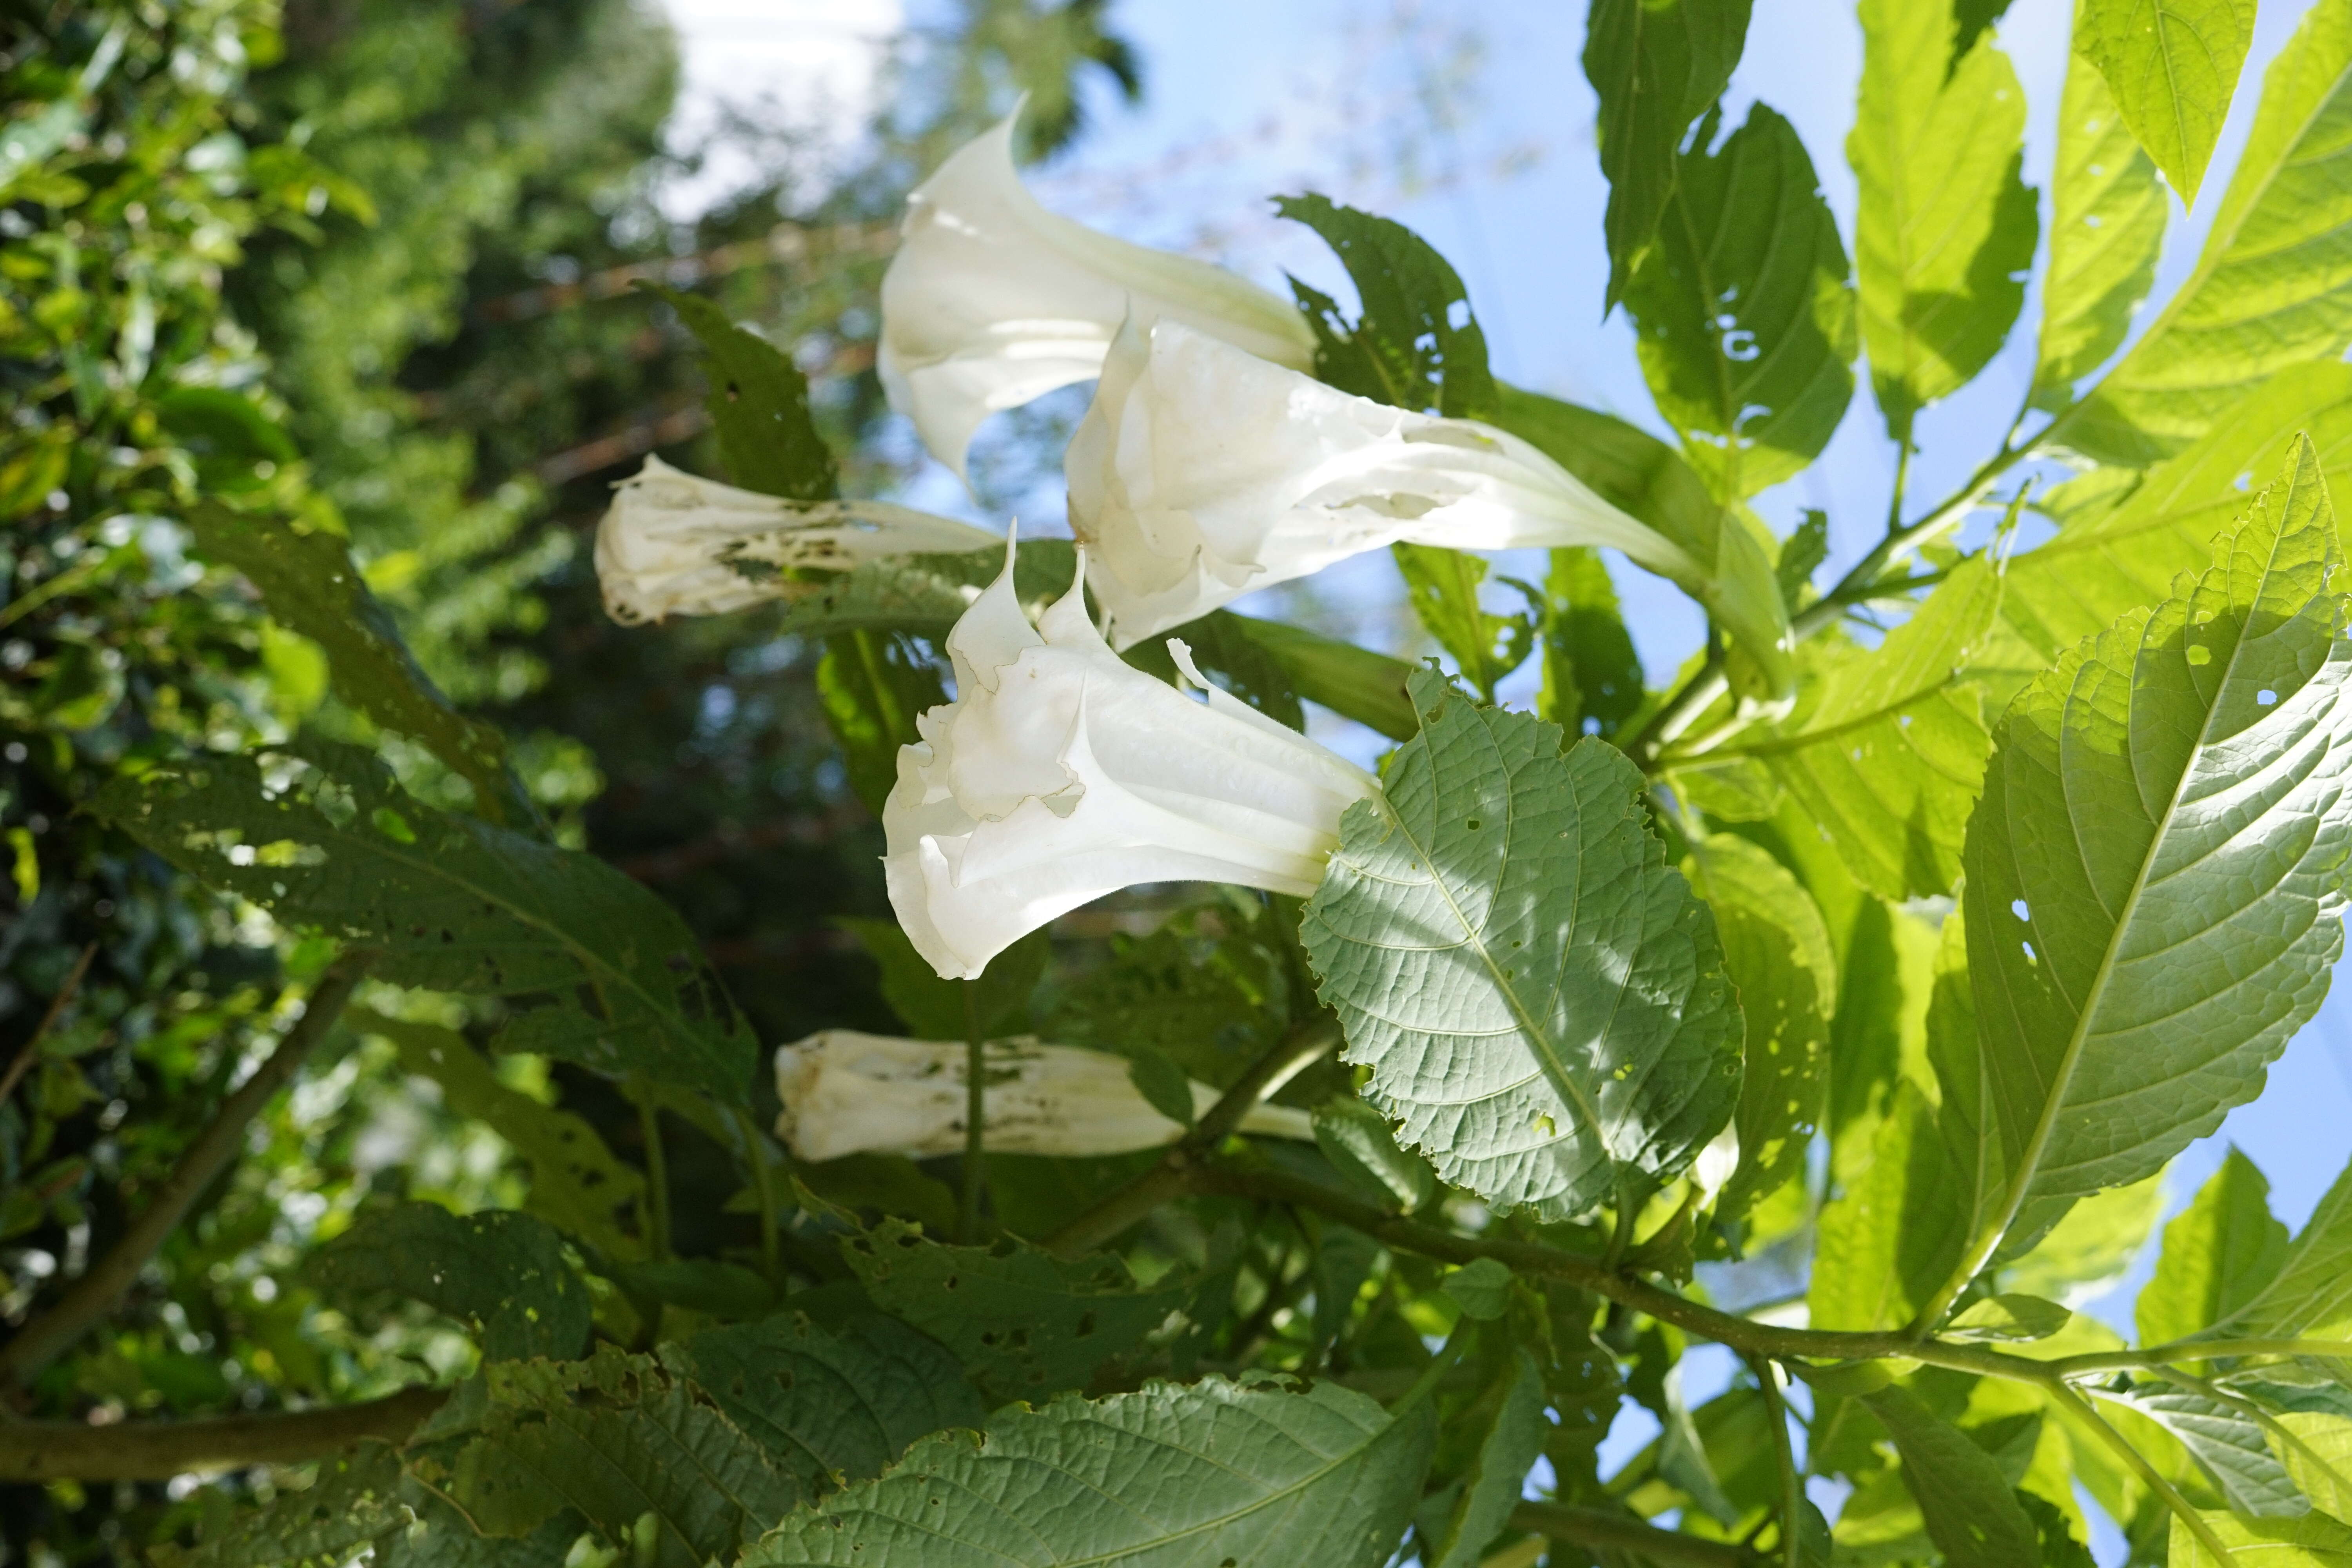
column 1509, row 1450
column 1356, row 1139
column 1482, row 1288
column 1353, row 682
column 2008, row 1320
column 1972, row 1514
column 874, row 685
column 2310, row 1297
column 502, row 1273
column 1415, row 343
column 758, row 403
column 1163, row 1084
column 2173, row 67
column 2219, row 1254
column 1592, row 676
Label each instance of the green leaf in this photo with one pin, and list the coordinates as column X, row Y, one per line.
column 1947, row 225
column 1224, row 650
column 2010, row 1318
column 2219, row 1253
column 1415, row 343
column 576, row 1183
column 2268, row 291
column 1886, row 751
column 2154, row 871
column 1024, row 1321
column 599, row 971
column 306, row 577
column 2228, row 1446
column 1219, row 1471
column 1745, row 318
column 2312, row 1296
column 827, row 1405
column 2314, row 1540
column 1801, row 554
column 356, row 1500
column 2317, row 1449
column 873, row 685
column 1166, row 1086
column 1644, row 478
column 727, row 1292
column 1656, row 68
column 1592, row 676
column 758, row 404
column 2173, row 67
column 2092, row 1245
column 1441, row 585
column 2113, row 559
column 1972, row 1514
column 1356, row 1139
column 995, row 1005
column 500, row 1272
column 2107, row 226
column 1203, row 991
column 1776, row 952
column 616, row 1439
column 1353, row 682
column 1482, row 1288
column 1509, row 1450
column 1896, row 1232
column 1558, row 1021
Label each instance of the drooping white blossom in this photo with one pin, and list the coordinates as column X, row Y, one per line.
column 991, row 301
column 1060, row 774
column 849, row 1093
column 1202, row 472
column 672, row 545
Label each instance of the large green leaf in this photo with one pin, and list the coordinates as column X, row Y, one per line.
column 823, row 1405
column 598, row 970
column 1886, row 751
column 2268, row 289
column 2229, row 1445
column 1641, row 476
column 1540, row 999
column 2172, row 66
column 1947, row 225
column 2219, row 1253
column 1745, row 315
column 500, row 1272
column 1776, row 952
column 1415, row 344
column 1972, row 1514
column 616, row 1439
column 2316, row 1448
column 1025, row 1323
column 2107, row 226
column 357, row 1499
column 1656, row 68
column 306, row 577
column 2108, row 561
column 2312, row 1296
column 2315, row 1540
column 1218, row 1472
column 2155, row 869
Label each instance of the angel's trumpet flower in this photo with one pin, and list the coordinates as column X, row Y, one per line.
column 1202, row 472
column 1059, row 773
column 849, row 1093
column 991, row 301
column 673, row 545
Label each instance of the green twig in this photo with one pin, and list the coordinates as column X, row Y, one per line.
column 656, row 1171
column 1792, row 1487
column 763, row 1187
column 975, row 1122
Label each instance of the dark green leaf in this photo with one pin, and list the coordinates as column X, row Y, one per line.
column 1217, row 1472
column 759, row 401
column 598, row 971
column 1414, row 345
column 1561, row 1022
column 873, row 685
column 1744, row 314
column 1947, row 227
column 1163, row 1084
column 1353, row 682
column 725, row 1291
column 501, row 1272
column 1482, row 1288
column 357, row 1499
column 1971, row 1513
column 1208, row 999
column 995, row 1006
column 1513, row 1443
column 843, row 1404
column 1224, row 650
column 1356, row 1139
column 1025, row 1323
column 1592, row 676
column 1656, row 68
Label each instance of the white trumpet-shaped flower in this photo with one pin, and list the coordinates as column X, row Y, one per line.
column 991, row 301
column 1202, row 472
column 673, row 545
column 848, row 1093
column 1059, row 773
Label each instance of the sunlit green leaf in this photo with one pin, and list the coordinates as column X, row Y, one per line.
column 2219, row 1253
column 1415, row 343
column 1972, row 1514
column 2172, row 66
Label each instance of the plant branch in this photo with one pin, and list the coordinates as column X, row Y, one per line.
column 763, row 1187
column 1591, row 1527
column 1171, row 1177
column 58, row 1005
column 2079, row 1408
column 975, row 1122
column 92, row 1296
column 158, row 1450
column 1792, row 1487
column 2194, row 1351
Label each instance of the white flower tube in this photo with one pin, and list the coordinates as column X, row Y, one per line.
column 991, row 301
column 848, row 1093
column 673, row 545
column 1202, row 472
column 1059, row 773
